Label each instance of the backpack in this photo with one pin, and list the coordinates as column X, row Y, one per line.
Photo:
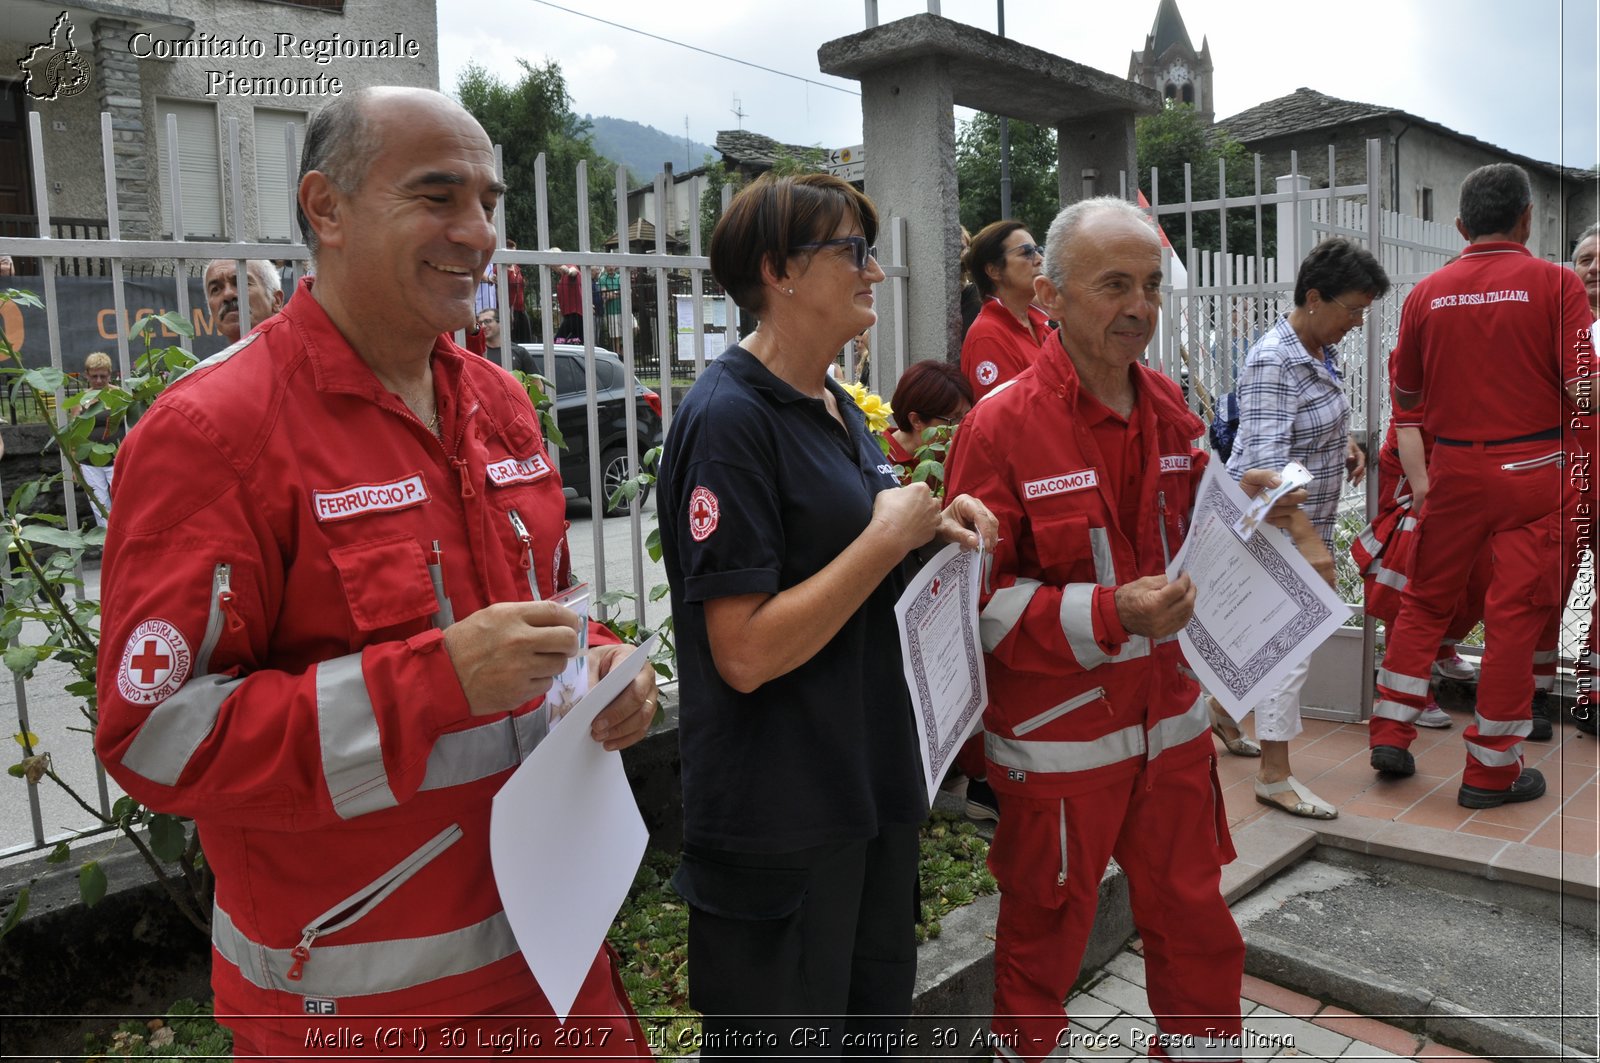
column 1225, row 425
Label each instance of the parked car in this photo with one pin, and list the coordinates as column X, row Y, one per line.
column 613, row 387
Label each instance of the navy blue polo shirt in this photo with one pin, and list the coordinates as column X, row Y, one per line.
column 760, row 489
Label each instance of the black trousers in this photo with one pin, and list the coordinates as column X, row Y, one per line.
column 808, row 954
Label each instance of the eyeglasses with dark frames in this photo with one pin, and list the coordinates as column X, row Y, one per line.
column 860, row 250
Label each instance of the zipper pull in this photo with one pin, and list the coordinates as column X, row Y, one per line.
column 225, row 598
column 522, row 533
column 302, row 953
column 438, row 554
column 467, row 490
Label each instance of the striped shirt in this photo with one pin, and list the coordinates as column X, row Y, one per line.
column 1291, row 407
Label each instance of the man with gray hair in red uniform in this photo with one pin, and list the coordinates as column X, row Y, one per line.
column 327, row 626
column 1497, row 343
column 1097, row 738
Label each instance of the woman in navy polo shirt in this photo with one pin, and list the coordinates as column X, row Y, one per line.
column 785, row 535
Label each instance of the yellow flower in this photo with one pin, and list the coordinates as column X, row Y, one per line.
column 872, row 406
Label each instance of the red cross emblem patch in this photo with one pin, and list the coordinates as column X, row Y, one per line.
column 987, row 373
column 155, row 663
column 703, row 513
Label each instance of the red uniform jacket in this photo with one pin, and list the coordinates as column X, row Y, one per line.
column 289, row 542
column 1072, row 705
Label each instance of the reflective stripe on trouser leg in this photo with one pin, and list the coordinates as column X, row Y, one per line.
column 1525, row 543
column 1448, row 543
column 1544, row 662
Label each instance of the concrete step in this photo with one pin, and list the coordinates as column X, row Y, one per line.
column 1496, row 967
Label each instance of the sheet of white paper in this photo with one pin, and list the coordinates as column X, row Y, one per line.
column 565, row 839
column 1293, row 476
column 942, row 656
column 1260, row 608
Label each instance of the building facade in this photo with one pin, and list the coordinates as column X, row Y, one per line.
column 179, row 78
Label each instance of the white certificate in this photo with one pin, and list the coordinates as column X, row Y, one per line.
column 943, row 658
column 1260, row 608
column 565, row 839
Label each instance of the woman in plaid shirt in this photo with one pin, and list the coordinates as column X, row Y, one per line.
column 1292, row 407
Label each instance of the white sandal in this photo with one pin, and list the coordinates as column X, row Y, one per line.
column 1310, row 805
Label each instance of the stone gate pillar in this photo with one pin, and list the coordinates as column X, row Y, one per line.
column 913, row 73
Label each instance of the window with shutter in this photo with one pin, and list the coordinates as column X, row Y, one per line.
column 275, row 170
column 199, row 154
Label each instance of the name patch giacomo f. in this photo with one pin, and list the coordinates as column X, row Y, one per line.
column 346, row 502
column 1062, row 483
column 155, row 662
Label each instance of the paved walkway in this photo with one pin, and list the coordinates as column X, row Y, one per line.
column 1550, row 843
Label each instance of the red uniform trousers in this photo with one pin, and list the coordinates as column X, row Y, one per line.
column 1168, row 831
column 1396, row 560
column 1508, row 498
column 1577, row 526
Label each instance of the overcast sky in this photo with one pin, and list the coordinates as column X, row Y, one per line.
column 1520, row 74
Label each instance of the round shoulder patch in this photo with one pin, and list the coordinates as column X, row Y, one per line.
column 703, row 513
column 987, row 373
column 155, row 663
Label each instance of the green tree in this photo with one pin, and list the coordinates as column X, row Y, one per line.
column 1176, row 136
column 1035, row 195
column 531, row 116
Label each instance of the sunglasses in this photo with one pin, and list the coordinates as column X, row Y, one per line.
column 1027, row 251
column 860, row 250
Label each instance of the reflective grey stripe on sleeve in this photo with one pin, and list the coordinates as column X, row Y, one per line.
column 1174, row 731
column 365, row 968
column 1105, row 569
column 1495, row 758
column 1403, row 684
column 1544, row 682
column 176, row 727
column 352, row 757
column 1394, row 710
column 999, row 618
column 1369, row 542
column 1544, row 657
column 1077, row 624
column 1065, row 756
column 1389, row 578
column 1408, row 524
column 460, row 757
column 1500, row 728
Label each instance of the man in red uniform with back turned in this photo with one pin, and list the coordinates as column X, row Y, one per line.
column 1098, row 740
column 326, row 626
column 1496, row 343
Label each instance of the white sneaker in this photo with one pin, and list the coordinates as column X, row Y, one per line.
column 1457, row 668
column 1434, row 716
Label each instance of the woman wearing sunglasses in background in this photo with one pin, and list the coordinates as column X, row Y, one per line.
column 1003, row 260
column 785, row 536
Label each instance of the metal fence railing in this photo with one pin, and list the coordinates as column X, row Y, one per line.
column 1217, row 303
column 662, row 314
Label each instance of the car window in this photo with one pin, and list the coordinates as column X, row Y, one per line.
column 569, row 375
column 607, row 374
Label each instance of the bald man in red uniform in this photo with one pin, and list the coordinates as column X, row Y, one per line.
column 1498, row 343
